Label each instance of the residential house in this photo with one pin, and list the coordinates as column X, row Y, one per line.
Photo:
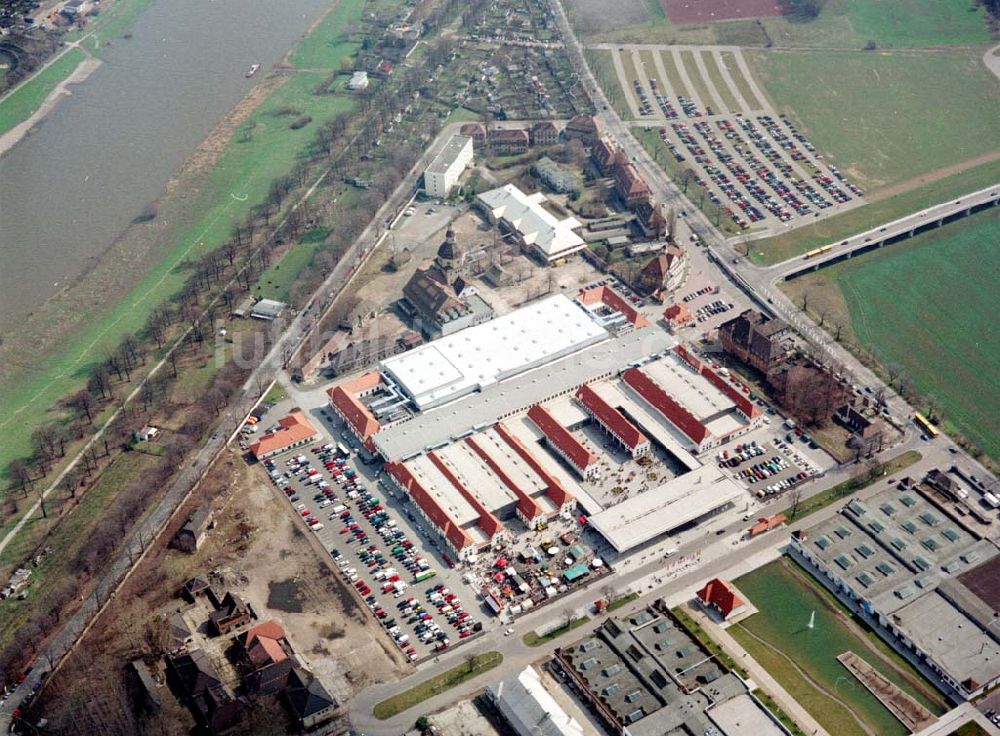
column 756, row 339
column 198, row 684
column 509, row 141
column 720, row 596
column 293, row 431
column 630, row 185
column 586, row 128
column 662, row 273
column 607, row 156
column 677, row 316
column 190, row 536
column 195, row 588
column 477, row 132
column 308, row 700
column 544, row 133
column 853, row 421
column 265, row 657
column 231, row 613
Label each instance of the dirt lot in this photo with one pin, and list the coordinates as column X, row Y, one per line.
column 706, row 11
column 255, row 550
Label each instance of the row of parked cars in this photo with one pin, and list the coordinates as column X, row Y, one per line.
column 708, row 311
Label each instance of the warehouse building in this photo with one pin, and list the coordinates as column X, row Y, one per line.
column 477, row 357
column 526, row 219
column 442, row 174
column 293, row 431
column 910, row 569
column 529, row 709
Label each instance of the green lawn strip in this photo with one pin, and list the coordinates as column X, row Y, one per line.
column 649, row 67
column 623, row 601
column 248, row 167
column 970, row 728
column 840, row 491
column 697, row 81
column 786, row 594
column 332, row 43
column 673, row 76
column 873, row 115
column 437, row 685
column 631, row 73
column 715, row 75
column 708, row 642
column 26, row 99
column 785, row 603
column 74, row 533
column 786, row 721
column 276, row 394
column 603, row 68
column 461, row 115
column 746, row 92
column 532, row 639
column 919, row 24
column 934, row 327
column 835, row 229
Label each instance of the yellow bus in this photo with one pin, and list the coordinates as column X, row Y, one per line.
column 818, row 251
column 929, row 429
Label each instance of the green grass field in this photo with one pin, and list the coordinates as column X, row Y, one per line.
column 331, row 43
column 603, row 68
column 26, row 99
column 785, row 601
column 928, row 305
column 246, row 168
column 712, row 67
column 533, row 639
column 798, row 241
column 887, row 117
column 917, row 23
column 429, row 688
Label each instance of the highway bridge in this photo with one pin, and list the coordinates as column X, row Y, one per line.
column 892, row 232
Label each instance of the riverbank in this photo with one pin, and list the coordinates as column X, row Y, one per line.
column 79, row 73
column 50, row 354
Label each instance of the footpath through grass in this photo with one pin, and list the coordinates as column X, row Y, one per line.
column 842, row 490
column 796, row 242
column 532, row 638
column 887, row 117
column 780, row 640
column 436, row 685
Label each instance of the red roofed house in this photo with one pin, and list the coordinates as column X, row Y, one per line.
column 613, row 300
column 265, row 657
column 662, row 273
column 585, row 127
column 509, row 141
column 476, row 131
column 613, row 421
column 720, row 595
column 606, row 155
column 561, row 440
column 293, row 431
column 677, row 315
column 679, row 416
column 345, row 401
column 630, row 185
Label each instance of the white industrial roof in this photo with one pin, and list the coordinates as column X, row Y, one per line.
column 679, row 380
column 530, row 709
column 480, row 356
column 659, row 510
column 537, row 226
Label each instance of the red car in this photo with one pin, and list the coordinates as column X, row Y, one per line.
column 305, row 512
column 359, row 584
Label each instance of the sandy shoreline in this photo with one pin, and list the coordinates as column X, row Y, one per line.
column 14, row 136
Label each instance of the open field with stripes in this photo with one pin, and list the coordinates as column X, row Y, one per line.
column 716, row 131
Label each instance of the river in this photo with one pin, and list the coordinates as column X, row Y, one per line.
column 104, row 153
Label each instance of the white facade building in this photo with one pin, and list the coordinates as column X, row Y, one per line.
column 537, row 229
column 529, row 708
column 447, row 166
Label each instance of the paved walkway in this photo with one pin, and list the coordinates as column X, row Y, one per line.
column 759, row 675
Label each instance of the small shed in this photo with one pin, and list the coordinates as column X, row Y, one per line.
column 267, row 309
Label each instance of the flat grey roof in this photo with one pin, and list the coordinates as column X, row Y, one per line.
column 480, row 409
column 447, row 155
column 951, row 638
column 475, row 475
column 743, row 714
column 657, row 511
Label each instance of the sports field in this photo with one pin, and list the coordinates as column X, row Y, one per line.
column 887, row 117
column 927, row 305
column 804, row 660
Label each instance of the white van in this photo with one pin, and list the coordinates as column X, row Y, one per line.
column 338, row 509
column 317, row 526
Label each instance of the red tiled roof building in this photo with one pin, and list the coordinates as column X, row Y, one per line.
column 562, row 441
column 613, row 421
column 720, row 595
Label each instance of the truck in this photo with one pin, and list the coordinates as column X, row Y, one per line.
column 424, row 575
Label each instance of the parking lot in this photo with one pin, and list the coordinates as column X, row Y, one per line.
column 401, row 582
